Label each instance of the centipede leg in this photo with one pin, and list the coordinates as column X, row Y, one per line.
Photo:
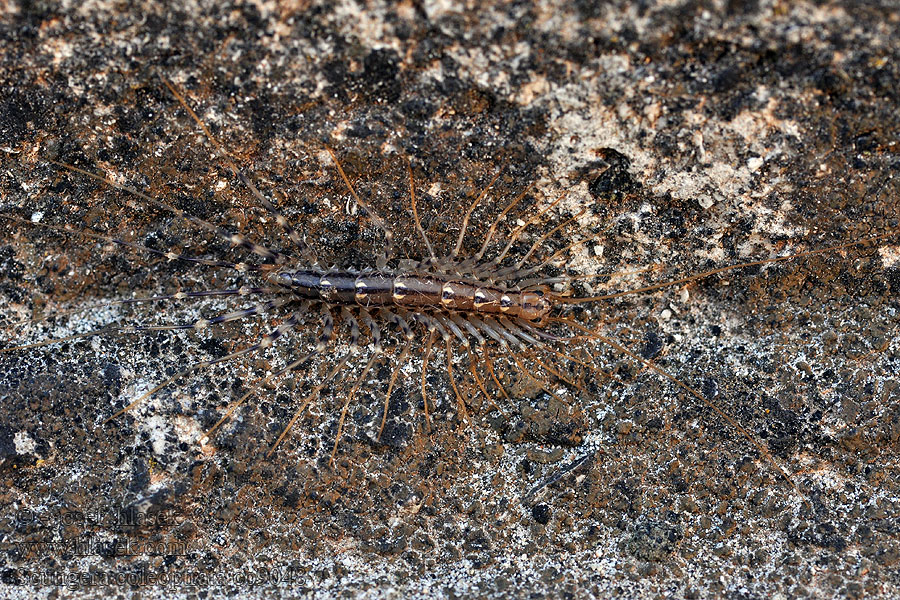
column 264, row 342
column 306, row 401
column 428, row 348
column 524, row 370
column 387, row 398
column 696, row 394
column 460, row 403
column 490, row 366
column 473, row 359
column 553, row 371
column 231, row 409
column 359, row 380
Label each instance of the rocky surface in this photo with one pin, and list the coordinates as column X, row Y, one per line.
column 695, row 136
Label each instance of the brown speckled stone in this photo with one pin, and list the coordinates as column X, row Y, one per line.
column 697, row 136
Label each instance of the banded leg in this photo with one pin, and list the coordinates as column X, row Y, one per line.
column 198, row 325
column 234, row 238
column 427, row 357
column 298, row 241
column 264, row 342
column 706, row 401
column 308, row 400
column 387, row 397
column 359, row 381
column 460, row 403
column 324, row 339
column 387, row 251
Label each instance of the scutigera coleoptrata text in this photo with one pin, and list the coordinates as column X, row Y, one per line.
column 325, row 447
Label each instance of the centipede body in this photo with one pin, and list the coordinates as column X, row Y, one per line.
column 443, row 297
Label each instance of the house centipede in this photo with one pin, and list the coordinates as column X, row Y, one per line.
column 490, row 306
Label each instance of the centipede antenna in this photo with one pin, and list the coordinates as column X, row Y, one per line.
column 709, row 403
column 490, row 234
column 379, row 222
column 359, row 381
column 292, row 233
column 465, row 223
column 415, row 211
column 170, row 255
column 396, row 371
column 755, row 263
column 460, row 403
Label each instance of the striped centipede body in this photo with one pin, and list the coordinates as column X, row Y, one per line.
column 491, row 305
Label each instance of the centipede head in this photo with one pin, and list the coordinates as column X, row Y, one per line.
column 536, row 305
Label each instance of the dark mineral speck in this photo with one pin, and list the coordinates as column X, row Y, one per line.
column 541, row 513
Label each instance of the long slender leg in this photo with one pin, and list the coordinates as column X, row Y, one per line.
column 387, row 397
column 292, row 233
column 325, row 338
column 170, row 255
column 584, row 364
column 460, row 403
column 553, row 371
column 350, row 396
column 386, row 253
column 415, row 212
column 712, row 405
column 234, row 406
column 308, row 400
column 236, row 239
column 473, row 359
column 354, row 346
column 264, row 342
column 465, row 223
column 493, row 228
column 490, row 366
column 197, row 325
column 516, row 234
column 537, row 244
column 428, row 348
column 524, row 370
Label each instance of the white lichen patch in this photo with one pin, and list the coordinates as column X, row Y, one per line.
column 24, row 443
column 156, row 426
column 890, row 256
